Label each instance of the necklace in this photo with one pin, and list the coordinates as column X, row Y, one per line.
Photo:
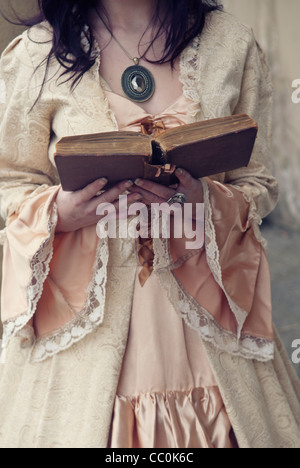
column 137, row 82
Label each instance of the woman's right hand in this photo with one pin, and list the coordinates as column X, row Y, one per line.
column 77, row 210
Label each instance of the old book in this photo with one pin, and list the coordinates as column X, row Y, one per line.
column 203, row 149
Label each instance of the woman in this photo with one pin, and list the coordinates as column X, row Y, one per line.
column 118, row 343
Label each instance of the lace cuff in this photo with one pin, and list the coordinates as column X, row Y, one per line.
column 40, row 266
column 85, row 322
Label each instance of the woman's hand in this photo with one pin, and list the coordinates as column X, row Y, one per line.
column 78, row 209
column 156, row 193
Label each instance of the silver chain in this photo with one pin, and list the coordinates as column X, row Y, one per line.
column 134, row 59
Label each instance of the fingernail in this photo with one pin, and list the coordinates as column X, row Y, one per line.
column 128, row 184
column 103, row 181
column 138, row 196
column 179, row 172
column 138, row 182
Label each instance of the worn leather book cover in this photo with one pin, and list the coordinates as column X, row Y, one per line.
column 204, row 148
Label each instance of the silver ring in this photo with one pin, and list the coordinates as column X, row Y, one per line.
column 177, row 198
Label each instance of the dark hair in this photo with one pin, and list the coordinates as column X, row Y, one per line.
column 184, row 20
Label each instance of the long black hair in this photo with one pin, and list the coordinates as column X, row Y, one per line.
column 184, row 20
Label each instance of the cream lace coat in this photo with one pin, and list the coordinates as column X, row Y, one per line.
column 223, row 72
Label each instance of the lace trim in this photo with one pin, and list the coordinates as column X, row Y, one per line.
column 40, row 266
column 196, row 316
column 253, row 219
column 96, row 55
column 87, row 320
column 189, row 64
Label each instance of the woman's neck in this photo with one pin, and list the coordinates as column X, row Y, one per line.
column 124, row 14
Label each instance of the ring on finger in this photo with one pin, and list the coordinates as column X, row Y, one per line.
column 177, row 198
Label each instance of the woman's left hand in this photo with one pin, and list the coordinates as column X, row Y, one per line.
column 156, row 193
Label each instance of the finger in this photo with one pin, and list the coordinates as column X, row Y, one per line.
column 112, row 194
column 119, row 204
column 185, row 178
column 91, row 190
column 134, row 197
column 191, row 187
column 150, row 197
column 123, row 204
column 159, row 190
column 118, row 207
column 123, row 207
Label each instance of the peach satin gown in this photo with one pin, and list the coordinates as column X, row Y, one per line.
column 167, row 394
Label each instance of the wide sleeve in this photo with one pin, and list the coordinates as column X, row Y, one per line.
column 25, row 126
column 231, row 77
column 53, row 283
column 226, row 73
column 255, row 99
column 27, row 187
column 236, row 203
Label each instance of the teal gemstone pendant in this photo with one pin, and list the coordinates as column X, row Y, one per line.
column 138, row 83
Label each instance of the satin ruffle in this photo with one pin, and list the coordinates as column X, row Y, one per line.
column 193, row 419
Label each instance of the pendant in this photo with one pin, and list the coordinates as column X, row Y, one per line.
column 138, row 83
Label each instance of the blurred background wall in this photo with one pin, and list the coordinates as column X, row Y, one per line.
column 23, row 8
column 276, row 26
